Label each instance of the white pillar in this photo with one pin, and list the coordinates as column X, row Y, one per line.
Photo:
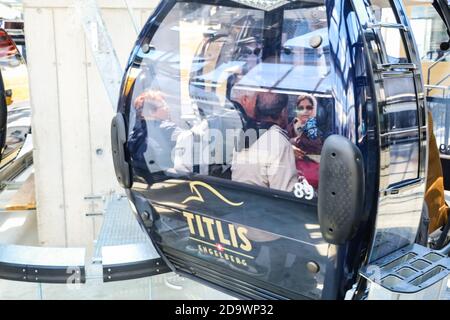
column 72, row 113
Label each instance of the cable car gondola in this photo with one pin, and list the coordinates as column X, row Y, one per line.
column 272, row 149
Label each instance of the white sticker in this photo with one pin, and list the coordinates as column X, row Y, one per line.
column 304, row 190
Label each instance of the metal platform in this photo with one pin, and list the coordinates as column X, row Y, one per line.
column 413, row 273
column 122, row 247
column 119, row 227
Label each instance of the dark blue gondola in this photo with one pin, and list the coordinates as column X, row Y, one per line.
column 200, row 86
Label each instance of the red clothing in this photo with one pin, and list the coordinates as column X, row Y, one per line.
column 310, row 170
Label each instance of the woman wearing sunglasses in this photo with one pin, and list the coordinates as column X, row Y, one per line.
column 306, row 139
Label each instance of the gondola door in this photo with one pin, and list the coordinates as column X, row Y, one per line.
column 400, row 103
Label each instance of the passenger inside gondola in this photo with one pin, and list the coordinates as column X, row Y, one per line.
column 152, row 151
column 269, row 161
column 307, row 139
column 231, row 91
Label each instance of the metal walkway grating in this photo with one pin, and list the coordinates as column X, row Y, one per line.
column 119, row 227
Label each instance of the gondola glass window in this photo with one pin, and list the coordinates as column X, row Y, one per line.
column 234, row 94
column 400, row 110
column 393, row 43
column 429, row 31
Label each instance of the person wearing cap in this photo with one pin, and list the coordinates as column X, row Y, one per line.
column 269, row 161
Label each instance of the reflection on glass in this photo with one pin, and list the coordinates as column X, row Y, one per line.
column 429, row 31
column 230, row 95
column 230, row 112
column 402, row 125
column 15, row 83
column 393, row 41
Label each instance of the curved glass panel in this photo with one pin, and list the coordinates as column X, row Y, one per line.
column 15, row 82
column 393, row 42
column 97, row 250
column 226, row 123
column 429, row 31
column 233, row 96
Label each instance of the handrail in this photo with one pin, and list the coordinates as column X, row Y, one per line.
column 443, row 79
column 378, row 25
column 434, row 64
column 391, row 66
column 431, row 87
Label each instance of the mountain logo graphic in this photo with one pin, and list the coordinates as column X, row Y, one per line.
column 194, row 185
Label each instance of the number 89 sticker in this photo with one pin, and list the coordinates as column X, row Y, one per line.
column 303, row 190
